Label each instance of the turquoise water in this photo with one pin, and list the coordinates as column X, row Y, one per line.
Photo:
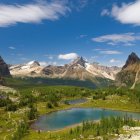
column 61, row 119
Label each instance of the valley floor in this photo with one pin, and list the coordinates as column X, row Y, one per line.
column 10, row 120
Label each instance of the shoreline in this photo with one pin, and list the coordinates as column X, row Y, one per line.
column 78, row 124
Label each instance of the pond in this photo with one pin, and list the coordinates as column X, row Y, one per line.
column 65, row 118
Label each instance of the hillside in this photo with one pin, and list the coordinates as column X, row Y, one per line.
column 130, row 73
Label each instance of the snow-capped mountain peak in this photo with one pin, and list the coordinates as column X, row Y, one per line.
column 33, row 63
column 78, row 69
column 27, row 69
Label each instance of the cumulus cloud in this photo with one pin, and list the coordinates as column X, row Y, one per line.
column 68, row 56
column 32, row 13
column 114, row 39
column 126, row 13
column 114, row 61
column 43, row 63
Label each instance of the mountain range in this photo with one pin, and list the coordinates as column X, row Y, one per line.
column 78, row 69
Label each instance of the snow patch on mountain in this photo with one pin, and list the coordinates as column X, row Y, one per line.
column 102, row 71
column 31, row 68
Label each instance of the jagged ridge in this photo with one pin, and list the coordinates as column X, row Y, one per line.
column 78, row 69
column 130, row 73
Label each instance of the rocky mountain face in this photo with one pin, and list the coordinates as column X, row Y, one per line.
column 4, row 70
column 32, row 68
column 130, row 73
column 132, row 59
column 54, row 71
column 103, row 71
column 78, row 69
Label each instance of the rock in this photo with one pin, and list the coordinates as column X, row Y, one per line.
column 126, row 128
column 7, row 89
column 132, row 59
column 4, row 70
column 135, row 128
column 130, row 73
column 91, row 137
column 100, row 138
column 81, row 137
column 133, row 133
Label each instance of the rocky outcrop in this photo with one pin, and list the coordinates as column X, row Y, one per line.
column 4, row 70
column 132, row 59
column 131, row 133
column 79, row 61
column 54, row 71
column 130, row 73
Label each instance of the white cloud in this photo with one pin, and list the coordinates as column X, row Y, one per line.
column 31, row 13
column 114, row 61
column 113, row 39
column 43, row 63
column 110, row 52
column 69, row 56
column 12, row 48
column 54, row 63
column 105, row 12
column 127, row 13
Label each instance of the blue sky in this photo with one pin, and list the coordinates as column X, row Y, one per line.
column 56, row 32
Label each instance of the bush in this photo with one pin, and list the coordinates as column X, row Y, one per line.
column 49, row 105
column 11, row 107
column 32, row 114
